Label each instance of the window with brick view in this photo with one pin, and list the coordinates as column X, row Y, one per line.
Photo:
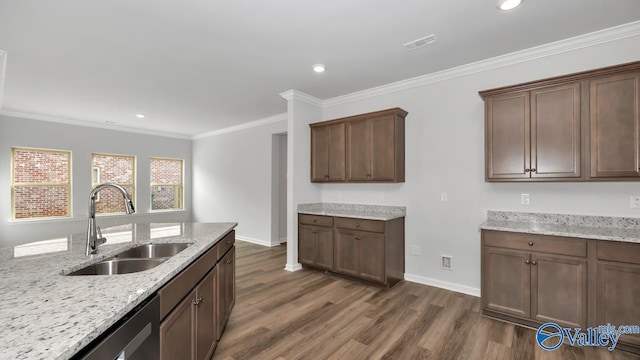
column 118, row 169
column 166, row 184
column 40, row 183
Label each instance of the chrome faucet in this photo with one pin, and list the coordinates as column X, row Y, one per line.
column 94, row 235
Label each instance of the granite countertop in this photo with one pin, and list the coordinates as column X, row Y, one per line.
column 45, row 315
column 582, row 226
column 358, row 211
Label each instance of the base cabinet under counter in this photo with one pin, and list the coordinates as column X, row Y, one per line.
column 370, row 250
column 578, row 283
column 196, row 304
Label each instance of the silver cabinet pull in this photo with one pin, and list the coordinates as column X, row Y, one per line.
column 198, row 301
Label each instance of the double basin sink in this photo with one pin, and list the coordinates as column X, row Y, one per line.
column 139, row 258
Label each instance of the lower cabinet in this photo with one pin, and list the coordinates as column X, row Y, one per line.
column 545, row 285
column 226, row 289
column 577, row 283
column 371, row 250
column 196, row 304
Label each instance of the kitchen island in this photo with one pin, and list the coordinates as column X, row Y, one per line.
column 47, row 315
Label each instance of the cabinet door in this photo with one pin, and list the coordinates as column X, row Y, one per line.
column 328, row 153
column 358, row 150
column 345, row 252
column 307, row 244
column 508, row 128
column 555, row 132
column 177, row 332
column 324, row 247
column 559, row 289
column 221, row 296
column 205, row 313
column 382, row 147
column 615, row 126
column 617, row 294
column 371, row 256
column 320, row 153
column 230, row 283
column 506, row 282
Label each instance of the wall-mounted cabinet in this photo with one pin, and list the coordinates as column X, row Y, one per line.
column 578, row 127
column 362, row 148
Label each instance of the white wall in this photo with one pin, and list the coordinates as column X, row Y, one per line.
column 232, row 180
column 83, row 141
column 445, row 153
column 282, row 187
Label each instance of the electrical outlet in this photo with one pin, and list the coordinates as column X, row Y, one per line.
column 634, row 201
column 525, row 199
column 415, row 250
column 446, row 262
column 444, row 197
column 339, row 195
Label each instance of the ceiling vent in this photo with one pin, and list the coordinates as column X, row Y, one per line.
column 418, row 43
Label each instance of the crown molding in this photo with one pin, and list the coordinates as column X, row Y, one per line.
column 582, row 41
column 3, row 68
column 54, row 119
column 300, row 96
column 243, row 126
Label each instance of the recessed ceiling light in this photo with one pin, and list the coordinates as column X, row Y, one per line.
column 506, row 5
column 139, row 116
column 318, row 68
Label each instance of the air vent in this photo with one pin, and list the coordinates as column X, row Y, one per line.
column 446, row 262
column 427, row 40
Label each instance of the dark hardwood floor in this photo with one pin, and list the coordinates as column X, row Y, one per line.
column 310, row 315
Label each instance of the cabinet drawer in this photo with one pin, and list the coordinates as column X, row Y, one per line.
column 316, row 220
column 539, row 243
column 225, row 244
column 360, row 224
column 618, row 251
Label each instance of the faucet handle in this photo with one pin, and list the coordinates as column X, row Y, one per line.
column 100, row 239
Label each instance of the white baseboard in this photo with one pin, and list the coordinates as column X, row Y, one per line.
column 443, row 284
column 256, row 241
column 283, row 240
column 293, row 267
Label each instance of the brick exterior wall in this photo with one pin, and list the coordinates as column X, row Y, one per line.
column 166, row 180
column 117, row 169
column 50, row 168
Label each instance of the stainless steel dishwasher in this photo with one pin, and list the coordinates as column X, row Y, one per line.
column 134, row 337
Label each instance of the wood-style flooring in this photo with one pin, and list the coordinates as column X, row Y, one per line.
column 310, row 315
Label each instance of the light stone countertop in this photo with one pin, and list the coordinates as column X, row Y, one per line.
column 45, row 315
column 582, row 226
column 358, row 211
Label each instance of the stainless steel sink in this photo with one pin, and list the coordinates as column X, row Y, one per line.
column 119, row 266
column 152, row 251
column 139, row 258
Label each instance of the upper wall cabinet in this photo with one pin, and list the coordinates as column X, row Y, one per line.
column 552, row 129
column 362, row 148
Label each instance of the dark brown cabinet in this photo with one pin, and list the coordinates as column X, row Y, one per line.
column 190, row 328
column 534, row 134
column 370, row 250
column 534, row 278
column 362, row 148
column 226, row 289
column 615, row 126
column 577, row 127
column 196, row 304
column 315, row 241
column 618, row 287
column 328, row 153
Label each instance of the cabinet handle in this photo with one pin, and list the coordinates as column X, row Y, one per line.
column 357, row 225
column 229, row 241
column 526, row 170
column 368, row 175
column 530, row 243
column 326, row 176
column 527, row 261
column 198, row 301
column 315, row 220
column 534, row 262
column 229, row 261
column 533, row 170
column 357, row 237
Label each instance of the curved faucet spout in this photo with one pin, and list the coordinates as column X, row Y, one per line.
column 94, row 237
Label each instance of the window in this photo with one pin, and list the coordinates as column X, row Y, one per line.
column 166, row 184
column 40, row 183
column 118, row 169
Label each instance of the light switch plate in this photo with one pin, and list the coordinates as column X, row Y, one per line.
column 525, row 199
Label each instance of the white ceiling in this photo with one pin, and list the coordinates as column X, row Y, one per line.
column 193, row 66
